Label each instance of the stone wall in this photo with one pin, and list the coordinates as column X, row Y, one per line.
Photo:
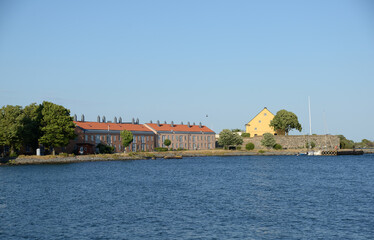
column 298, row 141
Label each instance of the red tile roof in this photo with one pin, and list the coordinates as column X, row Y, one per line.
column 112, row 126
column 180, row 128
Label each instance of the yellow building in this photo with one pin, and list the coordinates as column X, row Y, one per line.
column 260, row 124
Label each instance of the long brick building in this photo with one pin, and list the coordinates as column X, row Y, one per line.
column 146, row 136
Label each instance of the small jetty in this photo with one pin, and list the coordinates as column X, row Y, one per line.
column 342, row 152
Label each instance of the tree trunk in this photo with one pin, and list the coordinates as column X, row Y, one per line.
column 53, row 151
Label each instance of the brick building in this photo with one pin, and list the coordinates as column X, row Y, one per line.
column 191, row 137
column 90, row 134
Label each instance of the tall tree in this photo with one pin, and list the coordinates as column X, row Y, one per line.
column 11, row 127
column 57, row 126
column 31, row 125
column 285, row 121
column 127, row 138
column 167, row 143
column 227, row 137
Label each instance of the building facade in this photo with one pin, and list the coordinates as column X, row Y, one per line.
column 90, row 134
column 260, row 124
column 189, row 137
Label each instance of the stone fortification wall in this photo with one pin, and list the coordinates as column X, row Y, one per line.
column 298, row 141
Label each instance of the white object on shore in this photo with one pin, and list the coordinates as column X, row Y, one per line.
column 38, row 152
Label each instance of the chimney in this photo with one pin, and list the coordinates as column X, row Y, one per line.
column 104, row 120
column 201, row 126
column 98, row 118
column 194, row 124
column 189, row 125
column 75, row 118
column 181, row 123
column 137, row 120
column 150, row 121
column 115, row 120
column 172, row 124
column 158, row 123
column 133, row 121
column 165, row 122
column 120, row 120
column 82, row 118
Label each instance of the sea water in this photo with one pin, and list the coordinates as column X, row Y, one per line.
column 247, row 197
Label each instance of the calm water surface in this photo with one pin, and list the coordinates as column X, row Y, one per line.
column 252, row 197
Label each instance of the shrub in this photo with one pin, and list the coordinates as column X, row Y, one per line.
column 246, row 135
column 261, row 151
column 249, row 146
column 277, row 146
column 239, row 148
column 161, row 149
column 268, row 140
column 13, row 154
column 105, row 148
column 312, row 144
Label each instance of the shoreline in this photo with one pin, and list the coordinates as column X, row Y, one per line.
column 58, row 159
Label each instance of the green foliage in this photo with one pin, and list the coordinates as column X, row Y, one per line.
column 227, row 137
column 57, row 127
column 261, row 151
column 31, row 125
column 365, row 143
column 161, row 149
column 236, row 130
column 126, row 138
column 277, row 146
column 249, row 146
column 11, row 127
column 268, row 140
column 246, row 135
column 167, row 142
column 345, row 143
column 310, row 145
column 285, row 121
column 104, row 148
column 239, row 148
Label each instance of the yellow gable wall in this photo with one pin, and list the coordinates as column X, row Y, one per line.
column 260, row 124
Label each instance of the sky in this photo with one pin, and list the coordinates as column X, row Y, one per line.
column 215, row 62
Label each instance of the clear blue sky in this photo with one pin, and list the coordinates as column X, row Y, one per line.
column 181, row 60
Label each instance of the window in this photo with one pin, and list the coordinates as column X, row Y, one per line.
column 180, row 138
column 143, row 139
column 97, row 138
column 208, row 138
column 259, row 121
column 147, row 138
column 265, row 114
column 194, row 138
column 255, row 128
column 151, row 138
column 114, row 138
column 143, row 146
column 85, row 138
column 163, row 138
column 92, row 138
column 108, row 139
column 134, row 139
column 134, row 147
column 119, row 147
column 208, row 145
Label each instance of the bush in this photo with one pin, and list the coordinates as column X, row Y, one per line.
column 277, row 146
column 246, row 135
column 312, row 144
column 268, row 140
column 261, row 151
column 105, row 148
column 161, row 149
column 239, row 148
column 13, row 154
column 249, row 146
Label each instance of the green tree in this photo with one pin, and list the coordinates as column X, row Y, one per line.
column 105, row 149
column 227, row 138
column 11, row 118
column 126, row 138
column 285, row 121
column 57, row 126
column 268, row 140
column 31, row 125
column 167, row 143
column 345, row 143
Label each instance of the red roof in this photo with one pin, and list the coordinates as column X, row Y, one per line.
column 179, row 128
column 112, row 126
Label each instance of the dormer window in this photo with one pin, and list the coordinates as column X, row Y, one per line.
column 265, row 114
column 259, row 121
